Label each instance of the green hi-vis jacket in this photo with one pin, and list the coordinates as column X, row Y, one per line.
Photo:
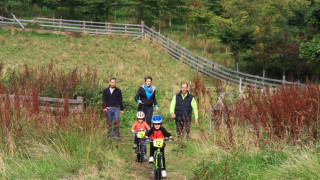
column 193, row 105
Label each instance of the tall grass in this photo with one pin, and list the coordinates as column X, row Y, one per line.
column 260, row 133
column 290, row 113
column 43, row 145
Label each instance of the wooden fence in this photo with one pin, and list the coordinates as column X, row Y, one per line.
column 50, row 104
column 173, row 49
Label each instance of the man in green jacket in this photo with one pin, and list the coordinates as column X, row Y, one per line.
column 181, row 108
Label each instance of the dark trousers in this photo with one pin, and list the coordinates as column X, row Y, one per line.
column 183, row 125
column 113, row 116
column 148, row 111
column 153, row 149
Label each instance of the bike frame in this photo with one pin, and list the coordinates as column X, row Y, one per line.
column 156, row 168
column 140, row 149
column 141, row 141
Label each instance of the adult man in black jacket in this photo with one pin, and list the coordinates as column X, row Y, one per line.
column 111, row 100
column 181, row 108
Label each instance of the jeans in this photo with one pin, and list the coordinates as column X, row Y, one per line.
column 144, row 143
column 113, row 116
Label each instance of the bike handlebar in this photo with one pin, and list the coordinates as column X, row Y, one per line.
column 165, row 139
column 136, row 132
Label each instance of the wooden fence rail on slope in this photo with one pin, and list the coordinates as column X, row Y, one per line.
column 50, row 104
column 208, row 67
column 173, row 49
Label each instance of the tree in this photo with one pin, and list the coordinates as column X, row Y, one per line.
column 71, row 4
column 311, row 51
column 202, row 20
column 10, row 5
column 312, row 17
column 159, row 9
column 173, row 10
column 310, row 48
column 235, row 28
column 92, row 7
column 31, row 4
column 191, row 9
column 214, row 6
column 108, row 4
column 53, row 5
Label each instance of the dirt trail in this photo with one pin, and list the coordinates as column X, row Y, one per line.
column 142, row 170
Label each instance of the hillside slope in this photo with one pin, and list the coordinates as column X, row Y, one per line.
column 73, row 152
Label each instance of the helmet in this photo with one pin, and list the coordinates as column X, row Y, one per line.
column 156, row 119
column 140, row 115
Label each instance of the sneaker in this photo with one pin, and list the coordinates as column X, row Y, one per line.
column 164, row 173
column 134, row 146
column 151, row 159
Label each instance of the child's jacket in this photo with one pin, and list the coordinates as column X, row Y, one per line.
column 140, row 126
column 158, row 134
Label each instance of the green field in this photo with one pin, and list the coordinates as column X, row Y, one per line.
column 75, row 153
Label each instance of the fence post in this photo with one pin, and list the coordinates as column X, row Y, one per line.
column 17, row 21
column 240, row 84
column 169, row 47
column 264, row 74
column 142, row 29
column 60, row 25
column 107, row 28
column 178, row 57
column 205, row 65
column 212, row 67
column 80, row 107
column 197, row 57
column 151, row 33
column 125, row 29
column 84, row 27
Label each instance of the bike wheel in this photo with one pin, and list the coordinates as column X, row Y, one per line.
column 141, row 152
column 138, row 152
column 155, row 167
column 159, row 167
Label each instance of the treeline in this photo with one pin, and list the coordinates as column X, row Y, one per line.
column 277, row 37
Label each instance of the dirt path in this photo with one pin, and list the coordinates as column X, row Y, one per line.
column 142, row 170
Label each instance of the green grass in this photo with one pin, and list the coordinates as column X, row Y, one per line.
column 213, row 51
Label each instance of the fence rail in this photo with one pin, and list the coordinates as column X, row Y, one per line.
column 75, row 108
column 173, row 49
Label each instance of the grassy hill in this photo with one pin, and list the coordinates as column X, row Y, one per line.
column 74, row 149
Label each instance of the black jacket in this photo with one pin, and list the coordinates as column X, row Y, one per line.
column 143, row 97
column 155, row 134
column 112, row 100
column 183, row 107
